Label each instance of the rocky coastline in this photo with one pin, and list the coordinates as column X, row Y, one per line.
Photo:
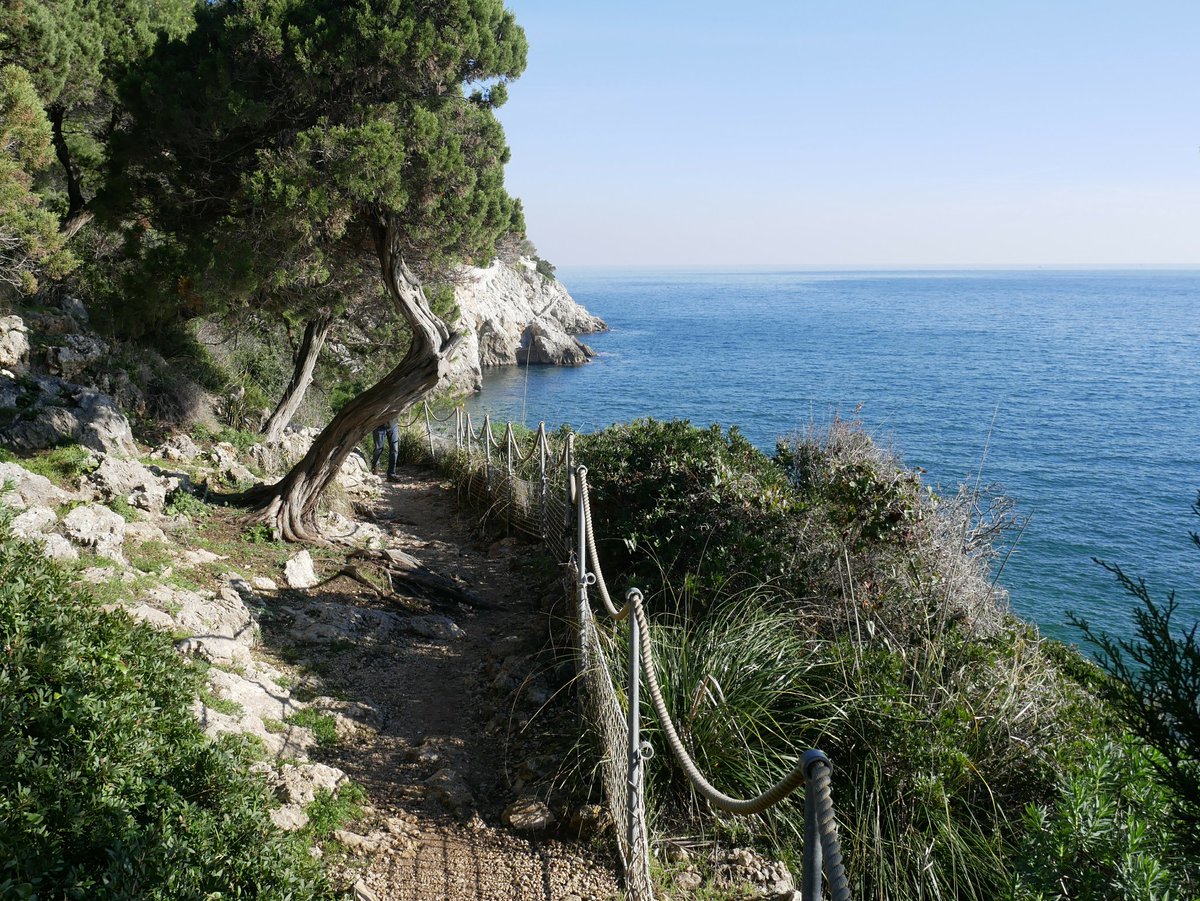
column 510, row 314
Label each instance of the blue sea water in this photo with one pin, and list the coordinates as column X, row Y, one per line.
column 1076, row 391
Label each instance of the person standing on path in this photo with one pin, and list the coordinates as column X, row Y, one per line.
column 389, row 431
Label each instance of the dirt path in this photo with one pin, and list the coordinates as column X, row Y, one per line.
column 438, row 760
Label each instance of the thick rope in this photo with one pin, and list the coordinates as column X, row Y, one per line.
column 831, row 849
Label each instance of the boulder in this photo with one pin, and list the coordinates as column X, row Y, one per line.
column 29, row 489
column 256, row 694
column 74, row 355
column 548, row 345
column 129, row 480
column 298, row 572
column 55, row 547
column 14, row 344
column 35, row 521
column 54, row 412
column 176, row 449
column 97, row 527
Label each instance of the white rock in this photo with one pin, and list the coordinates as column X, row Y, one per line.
column 498, row 305
column 29, row 489
column 58, row 548
column 14, row 344
column 289, row 817
column 257, row 694
column 97, row 527
column 33, row 522
column 177, row 448
column 262, row 583
column 138, row 532
column 432, row 627
column 298, row 572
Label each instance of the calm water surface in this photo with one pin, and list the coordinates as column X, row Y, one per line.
column 1083, row 387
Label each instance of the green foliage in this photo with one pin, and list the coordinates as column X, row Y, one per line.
column 258, row 533
column 1102, row 837
column 329, row 812
column 1154, row 686
column 698, row 508
column 112, row 790
column 323, row 725
column 307, row 128
column 181, row 502
column 30, row 242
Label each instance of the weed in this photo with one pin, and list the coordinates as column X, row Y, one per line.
column 182, row 502
column 323, row 725
column 329, row 812
column 221, row 705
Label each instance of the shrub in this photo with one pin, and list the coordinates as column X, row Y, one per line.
column 181, row 502
column 61, row 465
column 839, row 604
column 1154, row 685
column 1101, row 838
column 110, row 787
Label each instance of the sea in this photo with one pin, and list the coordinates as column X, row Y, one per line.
column 1075, row 393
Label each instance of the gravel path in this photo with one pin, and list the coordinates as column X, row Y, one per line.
column 438, row 762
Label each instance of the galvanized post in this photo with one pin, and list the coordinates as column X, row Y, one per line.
column 634, row 804
column 458, row 442
column 810, row 877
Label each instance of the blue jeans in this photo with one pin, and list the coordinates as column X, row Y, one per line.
column 390, row 432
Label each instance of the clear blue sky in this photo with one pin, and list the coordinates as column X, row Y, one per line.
column 868, row 133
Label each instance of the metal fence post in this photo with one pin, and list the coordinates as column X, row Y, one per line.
column 429, row 431
column 487, row 447
column 810, row 876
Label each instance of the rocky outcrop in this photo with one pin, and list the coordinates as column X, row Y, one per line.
column 513, row 315
column 45, row 411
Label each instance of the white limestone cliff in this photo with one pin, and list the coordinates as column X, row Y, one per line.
column 511, row 314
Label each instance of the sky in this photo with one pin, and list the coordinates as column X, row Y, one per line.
column 901, row 133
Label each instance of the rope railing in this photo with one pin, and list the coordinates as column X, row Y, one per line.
column 549, row 516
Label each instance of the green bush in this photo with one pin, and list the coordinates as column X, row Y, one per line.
column 839, row 604
column 1153, row 685
column 110, row 789
column 1102, row 837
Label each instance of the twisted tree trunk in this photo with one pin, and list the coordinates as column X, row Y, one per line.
column 290, row 505
column 315, row 333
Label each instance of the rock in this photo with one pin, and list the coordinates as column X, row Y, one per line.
column 295, row 743
column 199, row 557
column 447, row 786
column 298, row 571
column 29, row 489
column 96, row 527
column 258, row 694
column 75, row 308
column 349, row 714
column 688, row 880
column 33, row 522
column 58, row 548
column 221, row 628
column 262, row 583
column 160, row 619
column 354, row 472
column 498, row 305
column 289, row 817
column 129, row 480
column 589, row 821
column 543, row 345
column 57, row 412
column 322, row 621
column 360, row 844
column 138, row 532
column 14, row 344
column 74, row 355
column 528, row 815
column 362, row 893
column 177, row 448
column 439, row 627
column 676, row 853
column 299, row 783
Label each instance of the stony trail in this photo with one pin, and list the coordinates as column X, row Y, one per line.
column 436, row 767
